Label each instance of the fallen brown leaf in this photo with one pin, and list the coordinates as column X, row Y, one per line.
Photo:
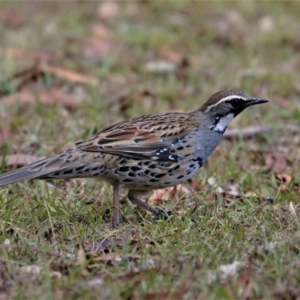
column 228, row 189
column 108, row 9
column 20, row 160
column 4, row 134
column 177, row 192
column 245, row 284
column 117, row 97
column 46, row 96
column 32, row 74
column 100, row 43
column 285, row 181
column 97, row 49
column 12, row 18
column 195, row 184
column 293, row 42
column 230, row 28
column 69, row 75
column 297, row 188
column 146, row 99
column 30, row 54
column 171, row 55
column 101, row 31
column 276, row 162
column 284, row 102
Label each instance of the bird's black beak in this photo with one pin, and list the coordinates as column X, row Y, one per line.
column 254, row 101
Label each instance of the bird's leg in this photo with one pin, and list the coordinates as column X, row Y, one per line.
column 157, row 212
column 116, row 219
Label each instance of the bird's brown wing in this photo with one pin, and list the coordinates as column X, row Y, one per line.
column 150, row 137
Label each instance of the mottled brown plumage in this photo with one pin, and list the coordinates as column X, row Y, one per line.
column 145, row 153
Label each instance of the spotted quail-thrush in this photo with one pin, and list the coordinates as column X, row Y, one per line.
column 145, row 153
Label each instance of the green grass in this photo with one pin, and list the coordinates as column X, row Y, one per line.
column 48, row 227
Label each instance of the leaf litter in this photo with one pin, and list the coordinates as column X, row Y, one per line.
column 228, row 28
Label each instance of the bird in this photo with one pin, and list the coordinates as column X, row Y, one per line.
column 145, row 153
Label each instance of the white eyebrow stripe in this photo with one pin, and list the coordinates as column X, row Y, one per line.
column 226, row 99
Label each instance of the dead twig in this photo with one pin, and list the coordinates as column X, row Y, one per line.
column 249, row 132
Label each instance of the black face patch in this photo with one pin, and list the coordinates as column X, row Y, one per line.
column 238, row 105
column 233, row 106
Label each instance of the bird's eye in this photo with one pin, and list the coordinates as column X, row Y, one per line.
column 217, row 118
column 236, row 102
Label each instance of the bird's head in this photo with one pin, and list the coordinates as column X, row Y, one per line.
column 223, row 106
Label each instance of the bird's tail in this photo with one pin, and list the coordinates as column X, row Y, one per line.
column 31, row 171
column 16, row 175
column 62, row 165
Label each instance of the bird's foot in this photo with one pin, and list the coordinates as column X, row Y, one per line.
column 162, row 214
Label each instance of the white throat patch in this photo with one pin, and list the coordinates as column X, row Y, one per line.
column 224, row 121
